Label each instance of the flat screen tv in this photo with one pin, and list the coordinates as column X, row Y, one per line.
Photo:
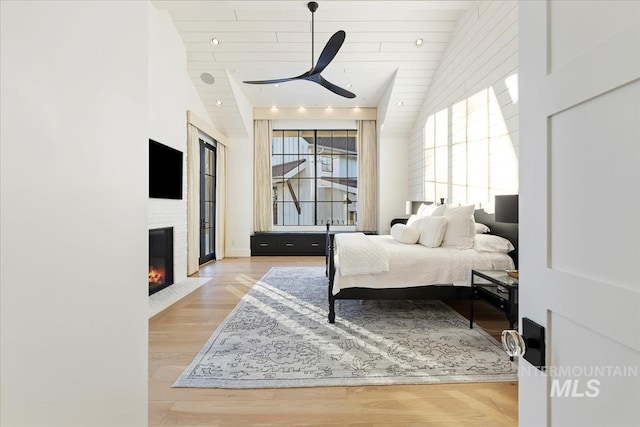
column 165, row 171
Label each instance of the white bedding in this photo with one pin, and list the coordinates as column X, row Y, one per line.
column 359, row 255
column 416, row 265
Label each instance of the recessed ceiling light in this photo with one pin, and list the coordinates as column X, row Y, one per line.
column 207, row 78
column 349, row 85
column 214, row 42
column 218, row 103
column 329, row 108
column 356, row 108
column 276, row 85
column 273, row 107
column 399, row 103
column 301, row 108
column 419, row 42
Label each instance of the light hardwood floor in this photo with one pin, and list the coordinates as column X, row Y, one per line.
column 177, row 333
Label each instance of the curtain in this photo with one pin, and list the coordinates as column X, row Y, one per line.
column 221, row 200
column 262, row 187
column 367, row 176
column 193, row 199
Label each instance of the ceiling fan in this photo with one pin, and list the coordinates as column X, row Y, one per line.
column 313, row 75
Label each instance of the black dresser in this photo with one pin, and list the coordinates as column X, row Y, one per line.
column 288, row 243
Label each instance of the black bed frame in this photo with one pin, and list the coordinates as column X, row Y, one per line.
column 444, row 292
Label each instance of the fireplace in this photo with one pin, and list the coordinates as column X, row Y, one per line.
column 160, row 259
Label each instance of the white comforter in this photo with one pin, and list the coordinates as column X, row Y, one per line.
column 357, row 254
column 416, row 265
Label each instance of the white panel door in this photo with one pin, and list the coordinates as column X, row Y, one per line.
column 580, row 210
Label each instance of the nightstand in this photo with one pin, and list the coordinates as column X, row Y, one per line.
column 498, row 289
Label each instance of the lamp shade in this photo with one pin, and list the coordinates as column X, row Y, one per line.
column 408, row 208
column 507, row 208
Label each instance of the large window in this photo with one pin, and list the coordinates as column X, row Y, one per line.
column 315, row 177
column 469, row 155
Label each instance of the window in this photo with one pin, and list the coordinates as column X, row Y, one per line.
column 315, row 177
column 327, row 164
column 469, row 155
column 436, row 156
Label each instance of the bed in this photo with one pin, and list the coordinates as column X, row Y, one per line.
column 418, row 272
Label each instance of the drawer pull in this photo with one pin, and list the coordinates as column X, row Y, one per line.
column 315, row 245
column 288, row 244
column 264, row 245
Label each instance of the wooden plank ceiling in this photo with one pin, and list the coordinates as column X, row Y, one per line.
column 379, row 61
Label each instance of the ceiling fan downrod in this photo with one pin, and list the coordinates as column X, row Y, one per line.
column 313, row 6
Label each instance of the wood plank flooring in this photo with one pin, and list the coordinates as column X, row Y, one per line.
column 177, row 333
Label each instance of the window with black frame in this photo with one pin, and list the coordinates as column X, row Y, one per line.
column 315, row 177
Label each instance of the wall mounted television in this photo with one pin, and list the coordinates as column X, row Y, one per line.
column 165, row 171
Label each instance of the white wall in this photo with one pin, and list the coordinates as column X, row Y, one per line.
column 240, row 197
column 393, row 176
column 393, row 157
column 167, row 125
column 171, row 94
column 74, row 213
column 482, row 53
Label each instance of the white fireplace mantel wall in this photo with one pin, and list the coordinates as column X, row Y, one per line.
column 171, row 95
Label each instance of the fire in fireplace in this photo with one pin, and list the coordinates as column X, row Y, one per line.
column 160, row 259
column 156, row 275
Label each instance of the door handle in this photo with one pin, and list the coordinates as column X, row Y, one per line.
column 530, row 344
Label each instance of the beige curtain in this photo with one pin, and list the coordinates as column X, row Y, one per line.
column 193, row 199
column 262, row 198
column 367, row 176
column 221, row 200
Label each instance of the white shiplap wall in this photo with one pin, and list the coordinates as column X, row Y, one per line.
column 482, row 53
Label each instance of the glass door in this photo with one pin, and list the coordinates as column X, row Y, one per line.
column 207, row 201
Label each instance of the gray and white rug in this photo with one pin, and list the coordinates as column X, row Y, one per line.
column 278, row 336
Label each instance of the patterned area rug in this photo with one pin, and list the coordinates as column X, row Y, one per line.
column 278, row 336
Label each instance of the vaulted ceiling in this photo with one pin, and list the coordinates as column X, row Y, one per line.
column 380, row 60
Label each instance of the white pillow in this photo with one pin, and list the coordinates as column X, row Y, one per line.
column 481, row 228
column 439, row 211
column 492, row 243
column 425, row 210
column 432, row 230
column 405, row 234
column 412, row 219
column 461, row 228
column 415, row 220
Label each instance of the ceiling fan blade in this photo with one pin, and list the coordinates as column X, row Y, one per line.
column 274, row 81
column 333, row 88
column 329, row 52
column 268, row 82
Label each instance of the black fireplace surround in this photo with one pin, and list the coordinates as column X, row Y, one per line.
column 160, row 259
